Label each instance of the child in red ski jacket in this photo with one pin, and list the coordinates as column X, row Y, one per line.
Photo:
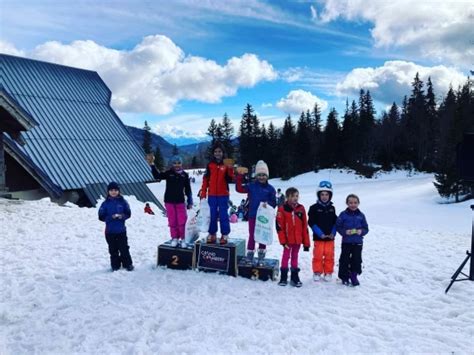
column 292, row 228
column 215, row 186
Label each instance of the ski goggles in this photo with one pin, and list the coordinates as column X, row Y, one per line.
column 325, row 184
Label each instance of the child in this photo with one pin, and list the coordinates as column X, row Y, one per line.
column 280, row 198
column 292, row 228
column 258, row 191
column 322, row 220
column 215, row 186
column 177, row 186
column 352, row 225
column 148, row 209
column 114, row 211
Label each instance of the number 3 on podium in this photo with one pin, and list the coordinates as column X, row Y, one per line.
column 175, row 260
column 255, row 274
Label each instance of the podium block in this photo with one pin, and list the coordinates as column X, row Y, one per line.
column 219, row 258
column 268, row 271
column 175, row 258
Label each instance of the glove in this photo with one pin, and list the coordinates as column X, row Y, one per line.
column 306, row 249
column 229, row 162
column 331, row 236
column 190, row 207
column 242, row 170
column 285, row 246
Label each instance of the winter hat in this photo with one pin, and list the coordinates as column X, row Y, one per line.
column 261, row 168
column 324, row 186
column 113, row 186
column 175, row 158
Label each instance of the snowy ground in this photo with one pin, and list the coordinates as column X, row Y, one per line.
column 57, row 295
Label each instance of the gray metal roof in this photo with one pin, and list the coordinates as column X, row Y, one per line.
column 80, row 140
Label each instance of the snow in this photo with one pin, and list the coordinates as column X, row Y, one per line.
column 57, row 294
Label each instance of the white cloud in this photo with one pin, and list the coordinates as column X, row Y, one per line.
column 441, row 30
column 323, row 80
column 8, row 48
column 392, row 81
column 155, row 75
column 168, row 130
column 299, row 100
column 267, row 105
column 314, row 13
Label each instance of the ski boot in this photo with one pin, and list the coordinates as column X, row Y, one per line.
column 211, row 239
column 345, row 282
column 354, row 281
column 174, row 242
column 184, row 245
column 316, row 277
column 283, row 277
column 223, row 240
column 327, row 277
column 130, row 267
column 249, row 257
column 261, row 257
column 295, row 279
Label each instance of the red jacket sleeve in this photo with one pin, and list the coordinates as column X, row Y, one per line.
column 230, row 173
column 280, row 226
column 306, row 241
column 239, row 186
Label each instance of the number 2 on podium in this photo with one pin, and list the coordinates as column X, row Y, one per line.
column 175, row 260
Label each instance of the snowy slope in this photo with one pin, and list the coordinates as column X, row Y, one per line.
column 57, row 295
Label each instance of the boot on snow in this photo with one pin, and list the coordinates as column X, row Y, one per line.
column 354, row 280
column 295, row 279
column 283, row 277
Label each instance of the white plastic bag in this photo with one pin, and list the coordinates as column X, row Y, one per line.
column 191, row 232
column 204, row 216
column 265, row 224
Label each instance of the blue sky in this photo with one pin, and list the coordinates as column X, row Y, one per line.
column 180, row 63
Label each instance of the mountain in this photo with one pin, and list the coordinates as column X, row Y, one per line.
column 182, row 141
column 156, row 140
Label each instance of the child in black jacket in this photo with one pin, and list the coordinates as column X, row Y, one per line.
column 177, row 187
column 322, row 221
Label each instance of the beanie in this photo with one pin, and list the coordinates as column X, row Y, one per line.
column 261, row 168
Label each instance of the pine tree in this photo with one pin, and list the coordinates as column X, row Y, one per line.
column 212, row 132
column 456, row 117
column 249, row 133
column 272, row 154
column 175, row 149
column 287, row 143
column 316, row 137
column 431, row 123
column 417, row 125
column 303, row 158
column 147, row 139
column 227, row 135
column 194, row 162
column 331, row 142
column 159, row 161
column 349, row 135
column 366, row 127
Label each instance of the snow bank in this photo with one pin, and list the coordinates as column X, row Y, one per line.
column 57, row 295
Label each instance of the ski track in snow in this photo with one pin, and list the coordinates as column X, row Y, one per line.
column 57, row 294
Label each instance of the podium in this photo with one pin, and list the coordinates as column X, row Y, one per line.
column 268, row 271
column 219, row 258
column 175, row 257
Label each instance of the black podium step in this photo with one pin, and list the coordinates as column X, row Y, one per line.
column 268, row 271
column 176, row 257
